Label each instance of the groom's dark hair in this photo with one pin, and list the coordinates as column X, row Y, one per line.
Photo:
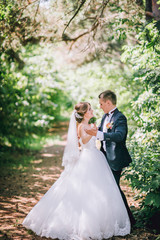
column 108, row 95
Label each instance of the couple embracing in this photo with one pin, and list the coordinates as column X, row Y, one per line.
column 86, row 202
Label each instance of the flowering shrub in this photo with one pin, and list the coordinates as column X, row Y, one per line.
column 145, row 145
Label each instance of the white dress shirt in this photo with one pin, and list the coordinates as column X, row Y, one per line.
column 100, row 135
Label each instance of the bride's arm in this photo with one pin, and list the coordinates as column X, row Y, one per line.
column 83, row 135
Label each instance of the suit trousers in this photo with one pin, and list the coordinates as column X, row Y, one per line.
column 117, row 175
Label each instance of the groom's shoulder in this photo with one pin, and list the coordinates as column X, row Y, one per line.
column 121, row 115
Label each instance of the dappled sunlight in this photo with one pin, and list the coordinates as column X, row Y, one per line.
column 47, row 155
column 37, row 161
column 129, row 193
column 57, row 142
column 22, row 189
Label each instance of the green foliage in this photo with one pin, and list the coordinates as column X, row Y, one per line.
column 20, row 158
column 145, row 143
column 92, row 120
column 87, row 81
column 30, row 100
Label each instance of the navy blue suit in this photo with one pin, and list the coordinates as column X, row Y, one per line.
column 116, row 152
column 115, row 140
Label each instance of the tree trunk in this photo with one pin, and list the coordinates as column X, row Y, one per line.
column 152, row 10
column 139, row 2
column 148, row 9
column 148, row 5
column 155, row 10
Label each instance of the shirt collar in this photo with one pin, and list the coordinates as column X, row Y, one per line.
column 111, row 112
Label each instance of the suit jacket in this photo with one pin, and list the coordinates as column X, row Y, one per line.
column 115, row 139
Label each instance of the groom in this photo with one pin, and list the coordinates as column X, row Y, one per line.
column 112, row 133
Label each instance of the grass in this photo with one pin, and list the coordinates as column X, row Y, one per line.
column 36, row 142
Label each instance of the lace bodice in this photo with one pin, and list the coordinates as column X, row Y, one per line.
column 90, row 144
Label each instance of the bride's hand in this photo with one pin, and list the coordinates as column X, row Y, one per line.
column 91, row 131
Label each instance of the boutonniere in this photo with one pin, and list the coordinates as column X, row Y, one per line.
column 109, row 125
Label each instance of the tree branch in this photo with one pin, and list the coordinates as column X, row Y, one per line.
column 80, row 6
column 21, row 10
column 65, row 37
column 103, row 7
column 149, row 14
column 36, row 11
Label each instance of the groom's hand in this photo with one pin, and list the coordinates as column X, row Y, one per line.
column 91, row 131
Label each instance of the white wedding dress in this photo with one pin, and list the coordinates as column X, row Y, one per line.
column 84, row 203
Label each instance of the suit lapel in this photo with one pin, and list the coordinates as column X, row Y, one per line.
column 102, row 122
column 113, row 118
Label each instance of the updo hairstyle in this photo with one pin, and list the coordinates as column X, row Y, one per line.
column 81, row 108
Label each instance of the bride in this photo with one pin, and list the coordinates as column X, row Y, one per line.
column 85, row 202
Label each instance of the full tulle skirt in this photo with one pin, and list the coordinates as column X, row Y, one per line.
column 84, row 203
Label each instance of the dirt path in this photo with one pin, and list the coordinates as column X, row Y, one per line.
column 21, row 189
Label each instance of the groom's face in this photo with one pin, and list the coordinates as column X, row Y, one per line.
column 104, row 105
